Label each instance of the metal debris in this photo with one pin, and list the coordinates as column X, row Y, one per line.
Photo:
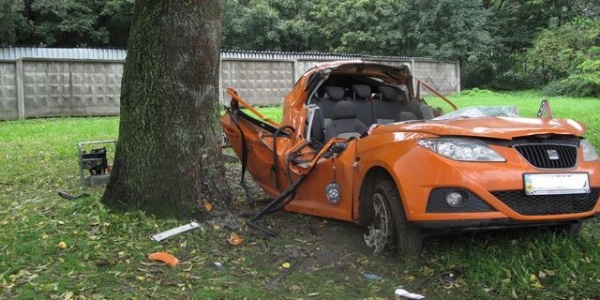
column 175, row 231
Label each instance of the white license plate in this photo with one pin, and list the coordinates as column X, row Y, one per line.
column 556, row 184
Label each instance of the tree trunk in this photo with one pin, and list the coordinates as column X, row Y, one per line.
column 168, row 159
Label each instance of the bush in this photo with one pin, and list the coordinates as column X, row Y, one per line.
column 475, row 92
column 584, row 82
column 576, row 85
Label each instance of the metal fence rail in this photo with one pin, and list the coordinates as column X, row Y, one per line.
column 43, row 82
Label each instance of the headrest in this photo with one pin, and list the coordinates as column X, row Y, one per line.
column 361, row 90
column 389, row 93
column 335, row 92
column 344, row 110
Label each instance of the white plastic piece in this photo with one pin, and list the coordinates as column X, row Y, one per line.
column 404, row 293
column 175, row 231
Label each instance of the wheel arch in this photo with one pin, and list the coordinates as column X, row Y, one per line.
column 365, row 206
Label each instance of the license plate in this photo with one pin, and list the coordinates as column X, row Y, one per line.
column 556, row 184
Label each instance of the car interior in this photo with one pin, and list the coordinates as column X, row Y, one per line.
column 349, row 105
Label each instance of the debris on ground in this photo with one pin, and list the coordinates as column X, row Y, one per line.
column 406, row 294
column 165, row 257
column 175, row 231
column 71, row 197
column 235, row 239
column 284, row 274
column 371, row 276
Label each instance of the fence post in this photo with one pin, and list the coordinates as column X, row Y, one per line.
column 20, row 88
column 457, row 74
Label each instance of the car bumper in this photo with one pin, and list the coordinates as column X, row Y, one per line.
column 495, row 191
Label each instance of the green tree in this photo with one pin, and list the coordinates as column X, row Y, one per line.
column 266, row 25
column 168, row 158
column 567, row 58
column 116, row 17
column 12, row 21
column 65, row 23
column 369, row 27
column 514, row 25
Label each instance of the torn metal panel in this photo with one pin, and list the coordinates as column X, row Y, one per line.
column 177, row 230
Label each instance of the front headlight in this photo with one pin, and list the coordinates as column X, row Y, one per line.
column 461, row 149
column 589, row 153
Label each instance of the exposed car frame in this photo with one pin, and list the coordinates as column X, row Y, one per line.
column 357, row 143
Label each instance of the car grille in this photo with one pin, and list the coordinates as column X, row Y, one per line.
column 548, row 204
column 540, row 155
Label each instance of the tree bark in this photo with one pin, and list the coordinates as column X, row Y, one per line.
column 168, row 159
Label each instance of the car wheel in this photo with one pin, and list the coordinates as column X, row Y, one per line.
column 389, row 227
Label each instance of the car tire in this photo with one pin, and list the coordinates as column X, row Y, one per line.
column 389, row 227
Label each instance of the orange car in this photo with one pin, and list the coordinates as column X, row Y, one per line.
column 357, row 144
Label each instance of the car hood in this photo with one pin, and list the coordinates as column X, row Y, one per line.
column 490, row 127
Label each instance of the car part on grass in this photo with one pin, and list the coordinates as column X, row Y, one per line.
column 177, row 230
column 273, row 206
column 284, row 274
column 95, row 162
column 406, row 294
column 165, row 257
column 71, row 197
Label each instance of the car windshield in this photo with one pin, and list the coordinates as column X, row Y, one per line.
column 481, row 111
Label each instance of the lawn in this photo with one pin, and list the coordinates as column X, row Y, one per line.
column 54, row 248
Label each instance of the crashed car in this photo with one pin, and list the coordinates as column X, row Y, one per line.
column 356, row 143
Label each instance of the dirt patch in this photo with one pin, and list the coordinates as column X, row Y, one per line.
column 321, row 244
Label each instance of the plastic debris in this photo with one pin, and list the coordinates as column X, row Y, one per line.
column 165, row 257
column 175, row 231
column 406, row 294
column 371, row 276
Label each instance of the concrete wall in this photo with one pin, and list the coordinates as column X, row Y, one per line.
column 48, row 87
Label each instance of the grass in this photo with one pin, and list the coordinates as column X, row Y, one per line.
column 106, row 254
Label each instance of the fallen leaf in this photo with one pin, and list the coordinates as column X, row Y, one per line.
column 235, row 239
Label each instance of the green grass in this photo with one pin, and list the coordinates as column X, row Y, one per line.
column 106, row 253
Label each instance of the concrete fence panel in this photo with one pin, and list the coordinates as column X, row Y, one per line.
column 9, row 108
column 261, row 82
column 39, row 82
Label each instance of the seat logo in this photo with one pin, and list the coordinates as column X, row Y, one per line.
column 552, row 154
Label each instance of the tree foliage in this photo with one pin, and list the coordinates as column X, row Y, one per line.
column 12, row 21
column 494, row 40
column 65, row 23
column 567, row 58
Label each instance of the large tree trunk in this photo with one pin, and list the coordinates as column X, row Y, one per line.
column 168, row 159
